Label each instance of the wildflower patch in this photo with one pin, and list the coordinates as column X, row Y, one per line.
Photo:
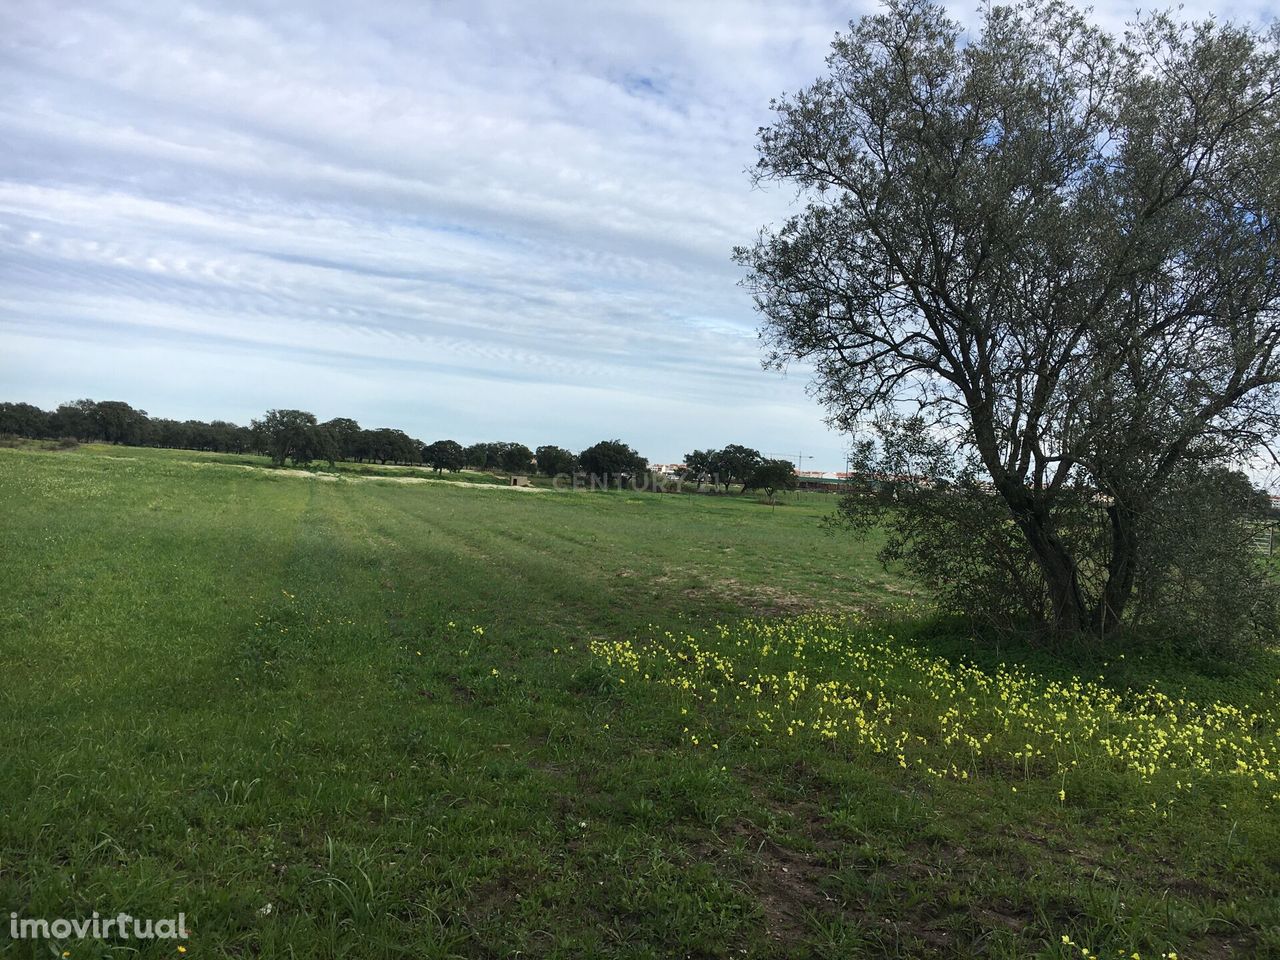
column 838, row 679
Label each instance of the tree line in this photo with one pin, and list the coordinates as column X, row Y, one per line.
column 114, row 421
column 738, row 464
column 300, row 438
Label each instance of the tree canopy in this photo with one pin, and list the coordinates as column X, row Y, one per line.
column 444, row 455
column 697, row 466
column 612, row 461
column 23, row 420
column 771, row 476
column 734, row 464
column 515, row 458
column 345, row 434
column 286, row 434
column 555, row 461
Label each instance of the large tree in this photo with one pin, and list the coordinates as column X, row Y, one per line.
column 284, row 434
column 554, row 461
column 226, row 437
column 772, row 476
column 697, row 465
column 117, row 422
column 1056, row 245
column 76, row 419
column 444, row 455
column 612, row 461
column 387, row 445
column 482, row 456
column 345, row 433
column 734, row 464
column 515, row 458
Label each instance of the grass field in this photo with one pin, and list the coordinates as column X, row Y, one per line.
column 354, row 717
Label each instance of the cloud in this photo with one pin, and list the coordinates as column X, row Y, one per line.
column 478, row 219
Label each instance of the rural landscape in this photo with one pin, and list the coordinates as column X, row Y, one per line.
column 339, row 714
column 893, row 570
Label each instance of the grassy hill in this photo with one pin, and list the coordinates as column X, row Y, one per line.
column 343, row 715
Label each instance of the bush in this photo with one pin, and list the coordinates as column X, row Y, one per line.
column 1198, row 580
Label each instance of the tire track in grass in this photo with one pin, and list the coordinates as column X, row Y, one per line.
column 541, row 731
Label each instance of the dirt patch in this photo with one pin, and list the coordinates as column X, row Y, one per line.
column 788, row 887
column 765, row 600
column 796, row 891
column 756, row 599
column 461, row 692
column 274, row 471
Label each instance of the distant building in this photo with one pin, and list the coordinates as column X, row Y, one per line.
column 823, row 481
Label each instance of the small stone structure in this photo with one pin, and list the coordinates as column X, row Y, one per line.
column 519, row 481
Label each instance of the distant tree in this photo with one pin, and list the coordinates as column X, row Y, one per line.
column 500, row 455
column 555, row 461
column 734, row 464
column 515, row 458
column 321, row 444
column 408, row 449
column 226, row 437
column 23, row 420
column 772, row 476
column 76, row 419
column 197, row 435
column 117, row 422
column 697, row 465
column 388, row 445
column 612, row 461
column 444, row 455
column 362, row 445
column 346, row 436
column 160, row 432
column 283, row 434
column 482, row 456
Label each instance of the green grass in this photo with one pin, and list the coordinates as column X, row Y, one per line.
column 373, row 706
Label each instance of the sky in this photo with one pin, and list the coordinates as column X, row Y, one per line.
column 469, row 220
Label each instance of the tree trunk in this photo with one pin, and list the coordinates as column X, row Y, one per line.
column 1122, row 568
column 1062, row 580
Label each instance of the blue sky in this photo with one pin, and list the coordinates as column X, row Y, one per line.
column 480, row 220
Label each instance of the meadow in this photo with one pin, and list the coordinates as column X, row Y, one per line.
column 335, row 714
